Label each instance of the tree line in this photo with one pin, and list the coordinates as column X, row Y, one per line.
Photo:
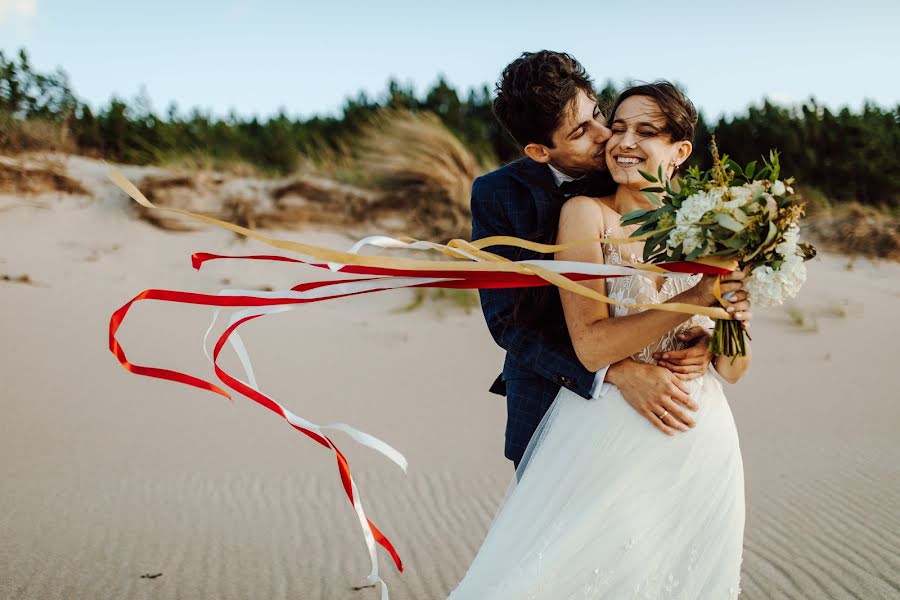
column 846, row 154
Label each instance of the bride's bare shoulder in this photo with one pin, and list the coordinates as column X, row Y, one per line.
column 584, row 210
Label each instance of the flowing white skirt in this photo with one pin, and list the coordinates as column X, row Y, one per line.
column 609, row 507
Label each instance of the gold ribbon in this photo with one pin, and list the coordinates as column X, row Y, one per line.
column 491, row 262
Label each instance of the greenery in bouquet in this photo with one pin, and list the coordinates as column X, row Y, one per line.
column 746, row 214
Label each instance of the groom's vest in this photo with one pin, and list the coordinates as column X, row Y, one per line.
column 521, row 199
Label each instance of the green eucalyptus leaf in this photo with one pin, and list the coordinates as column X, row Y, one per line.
column 728, row 222
column 648, row 176
column 776, row 166
column 771, row 234
column 735, row 243
column 725, row 252
column 769, row 237
column 750, row 170
column 653, row 198
column 646, row 227
column 695, row 253
column 635, row 214
column 660, row 237
column 741, row 217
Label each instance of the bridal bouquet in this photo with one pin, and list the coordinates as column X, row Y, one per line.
column 746, row 214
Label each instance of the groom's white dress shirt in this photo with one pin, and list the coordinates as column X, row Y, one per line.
column 600, row 386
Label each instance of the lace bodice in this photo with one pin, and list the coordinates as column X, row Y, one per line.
column 639, row 289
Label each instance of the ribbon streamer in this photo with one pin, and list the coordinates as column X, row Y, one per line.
column 470, row 266
column 339, row 259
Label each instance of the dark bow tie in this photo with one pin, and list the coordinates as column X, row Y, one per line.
column 595, row 184
column 576, row 187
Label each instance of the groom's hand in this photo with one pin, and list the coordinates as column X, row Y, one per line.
column 693, row 361
column 656, row 393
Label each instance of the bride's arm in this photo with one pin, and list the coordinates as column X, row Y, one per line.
column 598, row 339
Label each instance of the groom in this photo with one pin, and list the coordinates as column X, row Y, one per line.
column 546, row 101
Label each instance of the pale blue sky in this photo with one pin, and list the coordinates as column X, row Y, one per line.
column 255, row 56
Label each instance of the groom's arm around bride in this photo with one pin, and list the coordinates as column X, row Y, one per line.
column 546, row 101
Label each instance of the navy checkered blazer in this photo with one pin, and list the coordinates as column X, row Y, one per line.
column 521, row 199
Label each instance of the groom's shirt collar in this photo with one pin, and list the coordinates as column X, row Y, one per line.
column 559, row 177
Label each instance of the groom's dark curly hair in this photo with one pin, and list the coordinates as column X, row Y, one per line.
column 534, row 92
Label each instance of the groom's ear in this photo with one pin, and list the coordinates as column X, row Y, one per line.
column 537, row 153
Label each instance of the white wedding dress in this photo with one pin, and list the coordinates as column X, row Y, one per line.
column 607, row 506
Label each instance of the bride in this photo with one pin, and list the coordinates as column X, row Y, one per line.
column 605, row 505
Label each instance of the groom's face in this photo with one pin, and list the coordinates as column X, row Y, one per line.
column 580, row 140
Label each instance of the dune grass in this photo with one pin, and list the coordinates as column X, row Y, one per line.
column 423, row 169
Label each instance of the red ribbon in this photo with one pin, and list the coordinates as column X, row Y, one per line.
column 457, row 279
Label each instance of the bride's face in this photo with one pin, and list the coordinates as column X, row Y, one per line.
column 640, row 141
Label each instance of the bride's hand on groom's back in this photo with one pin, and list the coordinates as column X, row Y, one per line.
column 656, row 393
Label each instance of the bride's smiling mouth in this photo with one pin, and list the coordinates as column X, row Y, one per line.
column 626, row 161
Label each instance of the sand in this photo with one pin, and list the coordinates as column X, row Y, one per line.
column 118, row 486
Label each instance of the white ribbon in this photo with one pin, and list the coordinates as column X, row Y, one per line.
column 357, row 435
column 367, row 285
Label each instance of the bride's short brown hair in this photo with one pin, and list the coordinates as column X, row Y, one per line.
column 676, row 108
column 534, row 91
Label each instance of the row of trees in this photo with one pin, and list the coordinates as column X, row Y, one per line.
column 849, row 155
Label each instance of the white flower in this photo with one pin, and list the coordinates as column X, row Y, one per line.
column 778, row 188
column 695, row 207
column 787, row 247
column 768, row 287
column 758, row 187
column 741, row 194
column 690, row 236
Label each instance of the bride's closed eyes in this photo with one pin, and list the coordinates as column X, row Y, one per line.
column 642, row 130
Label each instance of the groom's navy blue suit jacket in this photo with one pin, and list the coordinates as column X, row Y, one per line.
column 521, row 199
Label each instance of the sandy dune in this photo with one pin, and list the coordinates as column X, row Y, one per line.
column 109, row 479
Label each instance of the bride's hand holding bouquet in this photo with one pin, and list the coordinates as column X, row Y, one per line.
column 733, row 213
